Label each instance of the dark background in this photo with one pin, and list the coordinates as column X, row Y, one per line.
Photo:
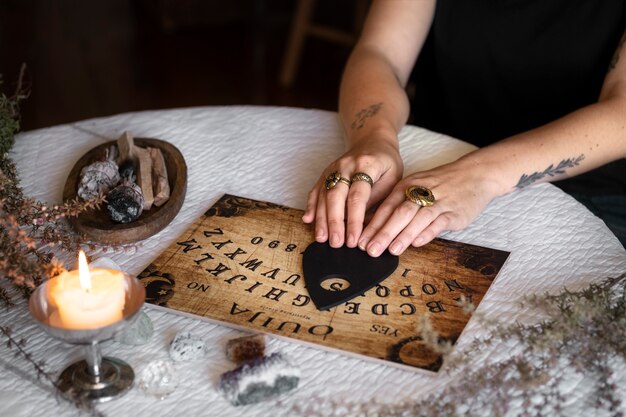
column 101, row 57
column 91, row 58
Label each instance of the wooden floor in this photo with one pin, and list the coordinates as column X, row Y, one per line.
column 102, row 57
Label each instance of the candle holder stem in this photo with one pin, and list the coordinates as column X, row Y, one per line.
column 96, row 378
column 93, row 357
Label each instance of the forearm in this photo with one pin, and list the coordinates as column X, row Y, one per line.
column 371, row 101
column 578, row 142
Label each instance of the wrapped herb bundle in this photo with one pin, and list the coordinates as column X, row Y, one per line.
column 125, row 202
column 99, row 177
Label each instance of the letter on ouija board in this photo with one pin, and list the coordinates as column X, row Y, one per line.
column 305, row 300
column 207, row 256
column 236, row 310
column 215, row 231
column 382, row 291
column 429, row 289
column 271, row 273
column 189, row 245
column 435, row 307
column 251, row 264
column 411, row 307
column 218, row 269
column 452, row 284
column 292, row 279
column 407, row 291
column 197, row 286
column 275, row 294
column 236, row 277
column 219, row 245
column 237, row 251
column 380, row 309
column 352, row 308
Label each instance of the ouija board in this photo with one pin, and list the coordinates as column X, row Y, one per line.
column 240, row 264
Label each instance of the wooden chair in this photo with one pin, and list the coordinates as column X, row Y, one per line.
column 302, row 26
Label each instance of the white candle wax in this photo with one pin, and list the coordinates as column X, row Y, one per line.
column 79, row 308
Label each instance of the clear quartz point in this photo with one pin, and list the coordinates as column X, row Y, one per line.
column 159, row 378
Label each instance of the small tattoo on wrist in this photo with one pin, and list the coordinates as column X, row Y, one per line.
column 364, row 114
column 526, row 179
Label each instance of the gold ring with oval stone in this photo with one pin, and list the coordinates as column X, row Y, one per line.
column 419, row 195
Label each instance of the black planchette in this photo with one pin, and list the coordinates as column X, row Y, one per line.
column 321, row 262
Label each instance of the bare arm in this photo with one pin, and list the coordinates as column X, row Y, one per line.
column 373, row 108
column 578, row 142
column 372, row 96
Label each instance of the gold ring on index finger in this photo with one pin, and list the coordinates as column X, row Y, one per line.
column 419, row 195
column 362, row 176
column 334, row 179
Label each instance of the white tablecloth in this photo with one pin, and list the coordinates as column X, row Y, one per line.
column 276, row 154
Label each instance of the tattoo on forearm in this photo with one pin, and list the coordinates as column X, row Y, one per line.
column 615, row 58
column 526, row 180
column 363, row 115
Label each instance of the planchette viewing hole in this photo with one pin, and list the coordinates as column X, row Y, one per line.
column 335, row 284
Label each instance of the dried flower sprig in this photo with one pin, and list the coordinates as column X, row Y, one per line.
column 580, row 333
column 39, row 366
column 29, row 230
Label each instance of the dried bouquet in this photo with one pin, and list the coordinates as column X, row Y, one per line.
column 30, row 230
column 582, row 336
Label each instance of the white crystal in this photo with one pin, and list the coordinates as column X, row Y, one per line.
column 187, row 347
column 138, row 332
column 159, row 378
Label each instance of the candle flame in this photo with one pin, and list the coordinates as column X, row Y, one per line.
column 83, row 272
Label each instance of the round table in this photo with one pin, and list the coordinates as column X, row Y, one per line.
column 276, row 154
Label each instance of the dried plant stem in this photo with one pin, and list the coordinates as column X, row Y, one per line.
column 75, row 400
column 30, row 230
column 581, row 332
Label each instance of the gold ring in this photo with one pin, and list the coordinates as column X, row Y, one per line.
column 362, row 176
column 421, row 196
column 335, row 178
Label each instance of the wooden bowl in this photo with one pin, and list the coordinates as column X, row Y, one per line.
column 96, row 224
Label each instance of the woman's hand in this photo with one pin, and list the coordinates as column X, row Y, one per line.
column 462, row 189
column 376, row 157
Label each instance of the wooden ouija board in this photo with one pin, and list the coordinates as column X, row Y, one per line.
column 240, row 264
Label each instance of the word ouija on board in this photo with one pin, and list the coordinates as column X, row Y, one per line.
column 240, row 264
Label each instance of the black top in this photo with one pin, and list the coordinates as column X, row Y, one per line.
column 494, row 68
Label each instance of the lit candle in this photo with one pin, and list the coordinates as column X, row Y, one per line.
column 87, row 299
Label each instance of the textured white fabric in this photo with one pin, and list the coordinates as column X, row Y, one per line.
column 276, row 154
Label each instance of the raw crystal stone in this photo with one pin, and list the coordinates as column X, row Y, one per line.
column 245, row 348
column 259, row 380
column 187, row 347
column 138, row 333
column 127, row 169
column 159, row 378
column 125, row 202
